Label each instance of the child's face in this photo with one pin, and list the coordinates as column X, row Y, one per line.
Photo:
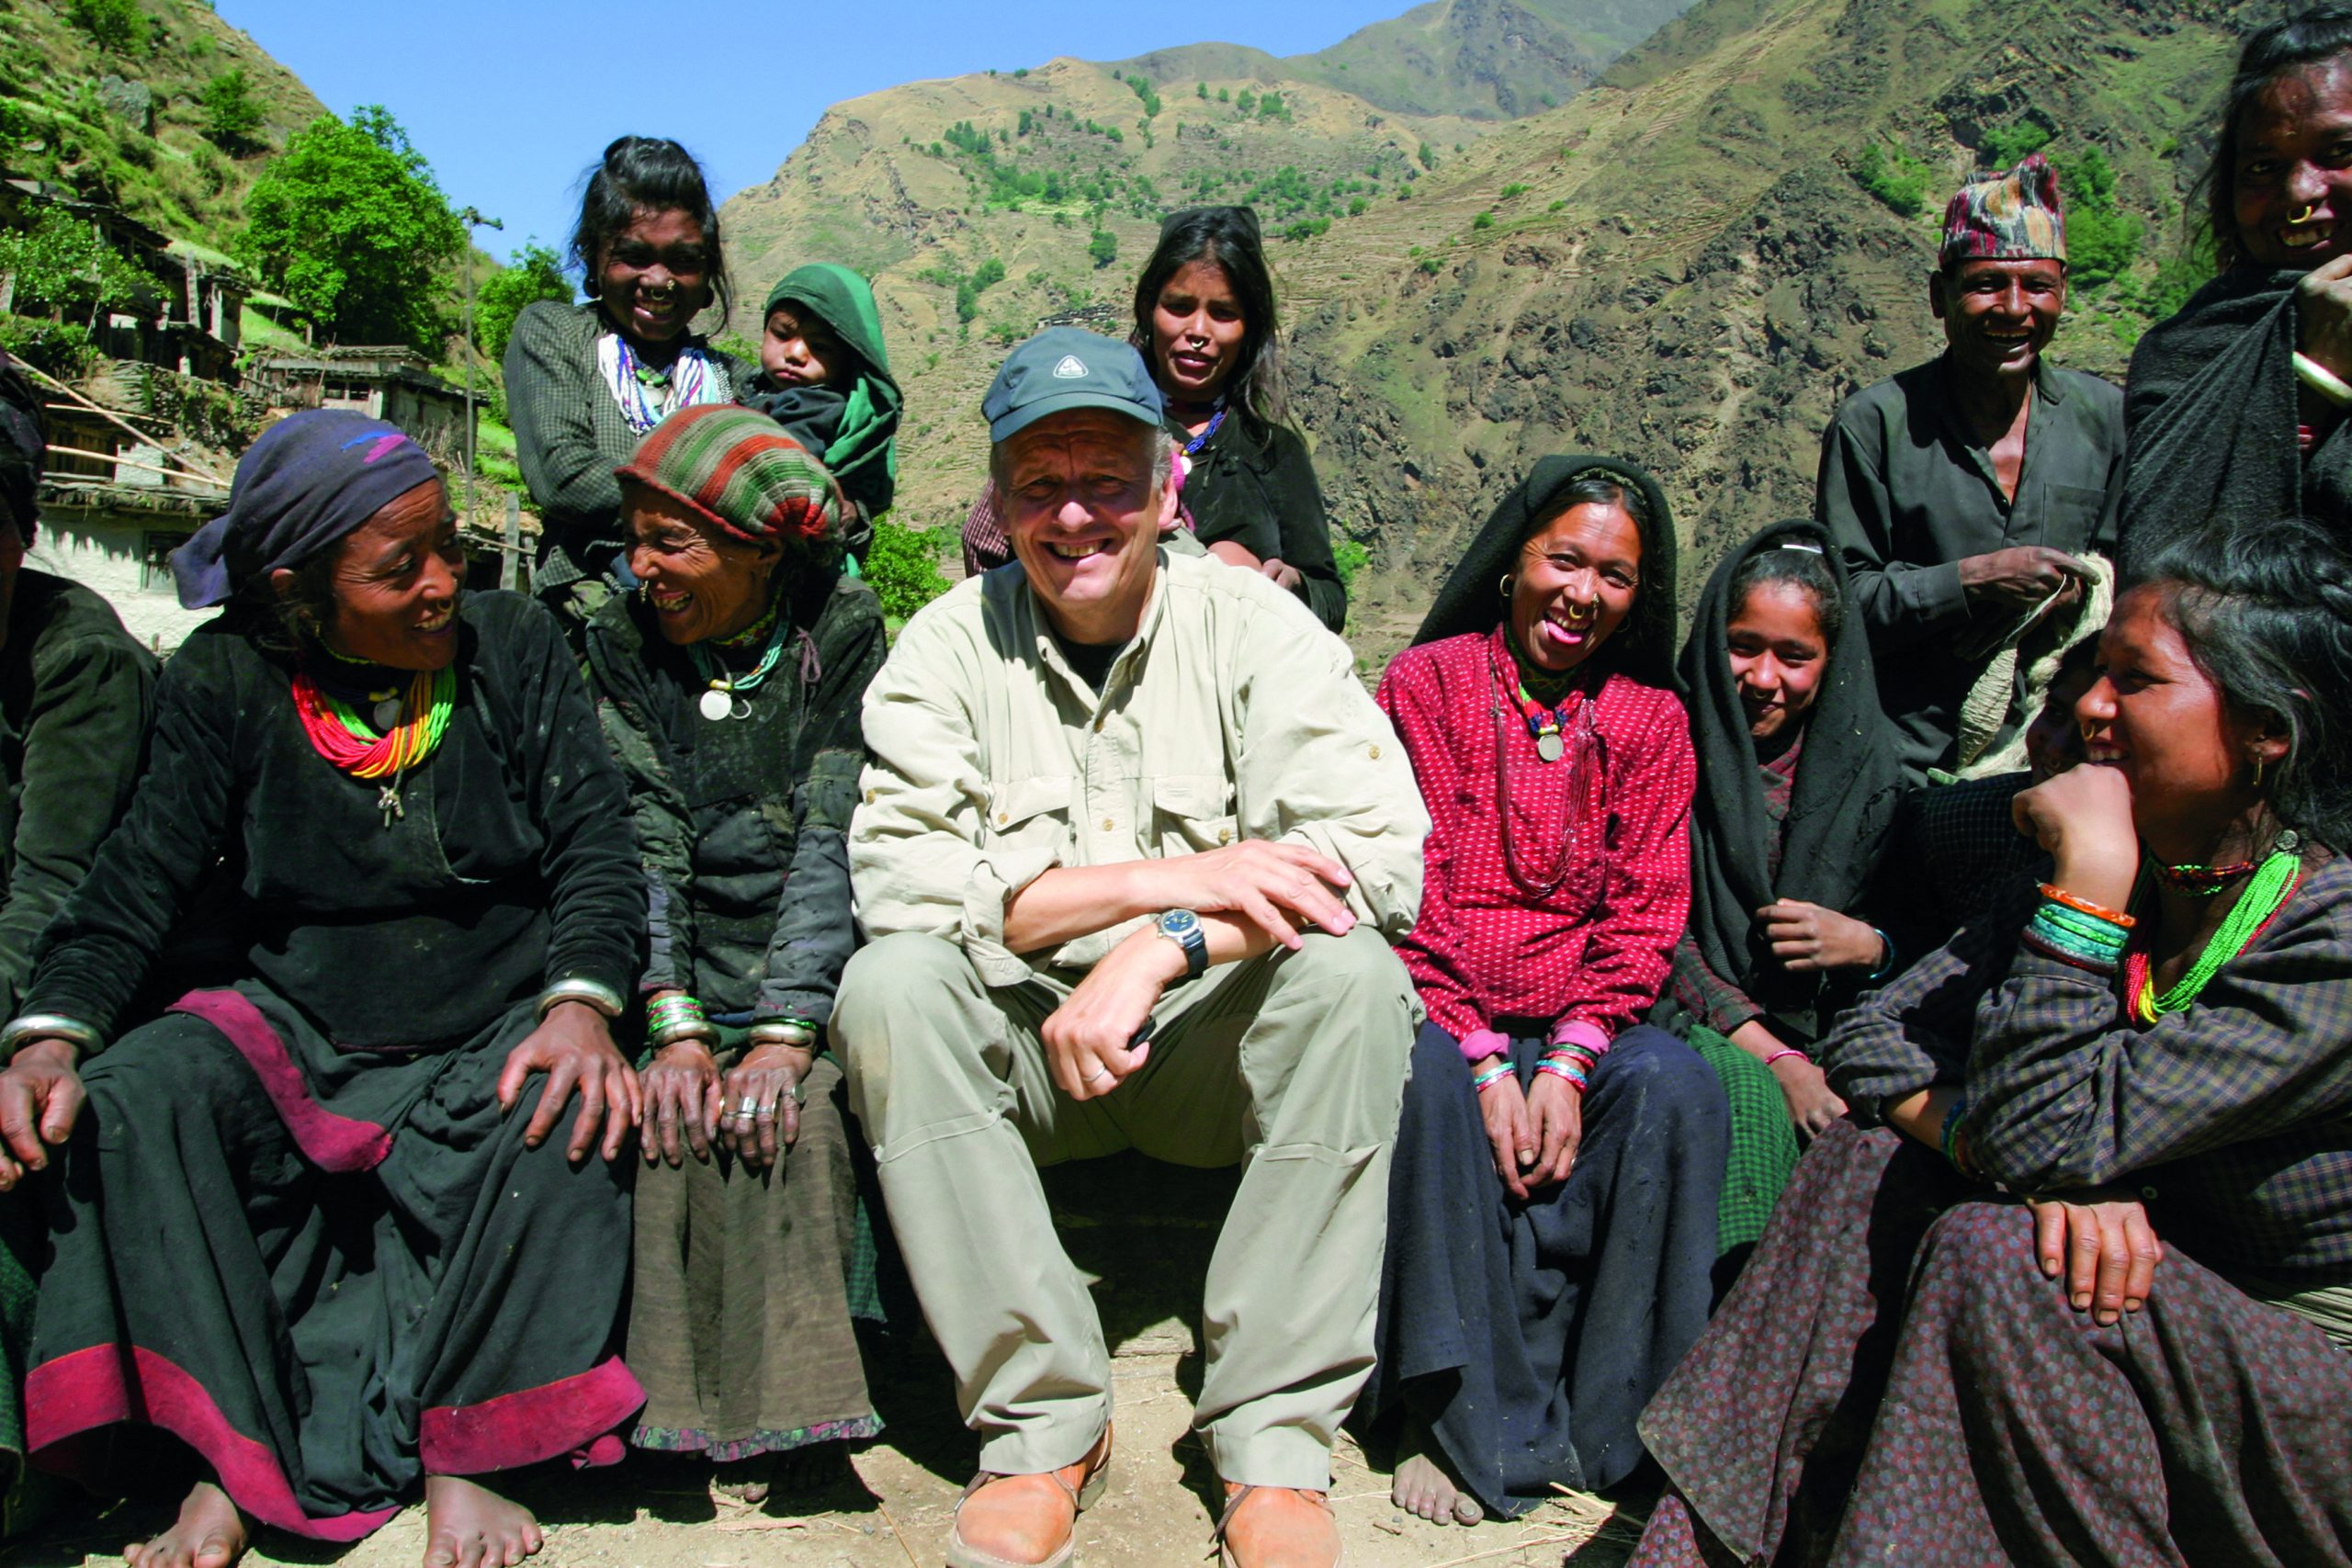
column 797, row 350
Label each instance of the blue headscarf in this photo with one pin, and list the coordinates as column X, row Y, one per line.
column 311, row 478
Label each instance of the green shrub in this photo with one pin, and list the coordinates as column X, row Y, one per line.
column 60, row 348
column 1103, row 248
column 903, row 567
column 1893, row 176
column 116, row 25
column 531, row 274
column 1484, row 221
column 230, row 113
column 2005, row 144
column 1350, row 557
column 1513, row 189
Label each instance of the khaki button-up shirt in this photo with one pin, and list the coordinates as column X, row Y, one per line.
column 1233, row 714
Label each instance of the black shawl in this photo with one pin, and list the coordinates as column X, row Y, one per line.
column 1470, row 599
column 2209, row 407
column 1848, row 784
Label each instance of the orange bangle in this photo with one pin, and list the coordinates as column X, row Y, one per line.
column 2058, row 895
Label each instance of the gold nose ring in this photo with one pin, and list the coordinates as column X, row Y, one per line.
column 2305, row 213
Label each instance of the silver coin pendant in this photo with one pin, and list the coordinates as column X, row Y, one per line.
column 387, row 715
column 1549, row 746
column 716, row 704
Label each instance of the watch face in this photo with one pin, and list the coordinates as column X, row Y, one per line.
column 1177, row 922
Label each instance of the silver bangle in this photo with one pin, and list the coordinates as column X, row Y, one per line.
column 47, row 1025
column 604, row 999
column 783, row 1032
column 687, row 1030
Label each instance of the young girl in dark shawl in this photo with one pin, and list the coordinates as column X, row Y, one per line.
column 1798, row 785
column 730, row 686
column 825, row 376
column 1553, row 1198
column 322, row 1225
column 1918, row 1366
column 2236, row 406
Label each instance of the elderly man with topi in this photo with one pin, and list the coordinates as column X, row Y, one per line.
column 1131, row 848
column 1963, row 492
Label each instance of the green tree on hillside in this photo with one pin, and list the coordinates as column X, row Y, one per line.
column 119, row 26
column 1103, row 247
column 349, row 224
column 61, row 264
column 532, row 274
column 230, row 113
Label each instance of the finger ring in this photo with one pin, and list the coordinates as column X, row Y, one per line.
column 749, row 1107
column 1100, row 1072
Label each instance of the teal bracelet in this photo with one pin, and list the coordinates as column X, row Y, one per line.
column 2104, row 949
column 1490, row 1076
column 2089, row 927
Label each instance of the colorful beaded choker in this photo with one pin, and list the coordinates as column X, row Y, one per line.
column 721, row 699
column 352, row 744
column 2203, row 881
column 2275, row 881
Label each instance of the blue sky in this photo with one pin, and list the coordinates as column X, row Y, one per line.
column 511, row 102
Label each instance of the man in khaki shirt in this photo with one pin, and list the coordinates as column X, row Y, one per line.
column 1131, row 848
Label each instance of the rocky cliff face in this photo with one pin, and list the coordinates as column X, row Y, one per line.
column 1682, row 268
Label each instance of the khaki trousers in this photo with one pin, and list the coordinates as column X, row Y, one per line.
column 1292, row 1064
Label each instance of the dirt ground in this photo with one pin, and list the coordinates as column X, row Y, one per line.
column 657, row 1512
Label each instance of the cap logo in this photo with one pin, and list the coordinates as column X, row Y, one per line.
column 1070, row 368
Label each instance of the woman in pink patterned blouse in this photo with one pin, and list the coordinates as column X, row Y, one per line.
column 1558, row 1162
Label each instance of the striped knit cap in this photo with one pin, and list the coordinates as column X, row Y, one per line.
column 2011, row 217
column 736, row 467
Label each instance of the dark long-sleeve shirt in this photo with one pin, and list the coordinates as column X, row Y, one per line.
column 570, row 433
column 742, row 824
column 2232, row 1116
column 1255, row 485
column 1908, row 493
column 510, row 866
column 75, row 692
column 1954, row 850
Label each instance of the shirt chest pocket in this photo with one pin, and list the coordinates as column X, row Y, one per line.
column 1192, row 812
column 1033, row 812
column 2070, row 516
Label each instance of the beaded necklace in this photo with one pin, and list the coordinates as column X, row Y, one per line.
column 352, row 744
column 1582, row 778
column 647, row 395
column 2275, row 881
column 2203, row 881
column 1193, row 448
column 722, row 700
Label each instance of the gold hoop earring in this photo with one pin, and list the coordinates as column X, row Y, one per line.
column 2257, row 770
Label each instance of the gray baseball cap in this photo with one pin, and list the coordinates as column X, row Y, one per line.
column 1069, row 367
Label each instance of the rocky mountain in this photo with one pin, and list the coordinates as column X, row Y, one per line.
column 1482, row 59
column 981, row 205
column 1688, row 263
column 122, row 101
column 1692, row 262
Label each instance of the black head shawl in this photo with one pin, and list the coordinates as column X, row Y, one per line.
column 24, row 445
column 1470, row 599
column 1848, row 785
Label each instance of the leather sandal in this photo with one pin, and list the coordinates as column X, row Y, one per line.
column 1277, row 1543
column 1008, row 1506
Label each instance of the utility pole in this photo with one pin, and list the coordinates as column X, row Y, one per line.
column 472, row 218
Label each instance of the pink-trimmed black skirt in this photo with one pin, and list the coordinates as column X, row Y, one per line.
column 329, row 1273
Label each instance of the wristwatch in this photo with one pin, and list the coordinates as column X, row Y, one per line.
column 1183, row 928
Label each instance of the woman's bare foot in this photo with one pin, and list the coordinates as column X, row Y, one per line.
column 1421, row 1485
column 210, row 1533
column 468, row 1525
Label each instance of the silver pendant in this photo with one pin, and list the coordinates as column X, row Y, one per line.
column 387, row 715
column 388, row 803
column 1549, row 746
column 716, row 704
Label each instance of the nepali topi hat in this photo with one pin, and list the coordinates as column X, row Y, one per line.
column 2013, row 217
